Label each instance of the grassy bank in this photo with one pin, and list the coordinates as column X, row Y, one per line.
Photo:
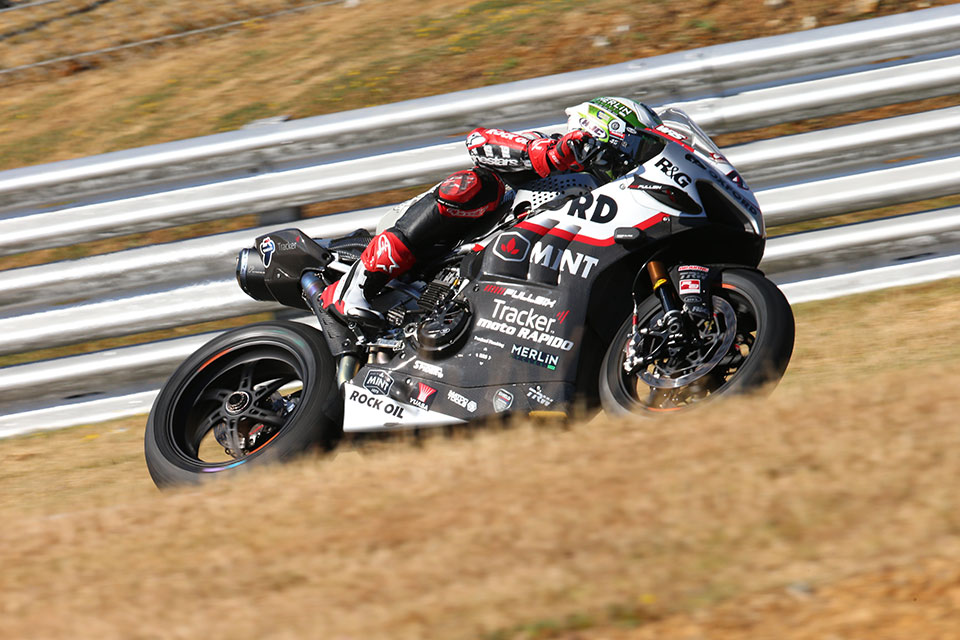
column 841, row 481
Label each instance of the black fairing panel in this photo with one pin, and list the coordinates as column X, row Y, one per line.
column 544, row 303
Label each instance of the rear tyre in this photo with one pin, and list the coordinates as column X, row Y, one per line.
column 756, row 350
column 258, row 394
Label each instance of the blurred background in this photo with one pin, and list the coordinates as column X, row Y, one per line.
column 826, row 510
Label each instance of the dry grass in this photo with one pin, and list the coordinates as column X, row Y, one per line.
column 334, row 58
column 841, row 482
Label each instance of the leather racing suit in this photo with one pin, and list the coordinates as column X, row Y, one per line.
column 465, row 204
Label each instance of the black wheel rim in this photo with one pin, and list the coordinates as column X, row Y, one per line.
column 644, row 397
column 240, row 399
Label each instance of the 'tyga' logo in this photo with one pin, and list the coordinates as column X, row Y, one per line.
column 267, row 247
column 512, row 247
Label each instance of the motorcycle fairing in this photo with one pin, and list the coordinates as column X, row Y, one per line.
column 366, row 411
column 529, row 299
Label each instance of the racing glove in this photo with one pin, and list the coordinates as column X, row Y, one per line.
column 548, row 155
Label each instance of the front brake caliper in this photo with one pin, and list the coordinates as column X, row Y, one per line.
column 694, row 284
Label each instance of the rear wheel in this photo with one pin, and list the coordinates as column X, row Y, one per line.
column 261, row 393
column 746, row 348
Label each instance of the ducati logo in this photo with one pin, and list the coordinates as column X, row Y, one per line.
column 511, row 247
column 384, row 254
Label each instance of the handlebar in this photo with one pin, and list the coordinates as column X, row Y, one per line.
column 594, row 154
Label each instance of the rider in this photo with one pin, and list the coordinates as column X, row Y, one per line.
column 469, row 202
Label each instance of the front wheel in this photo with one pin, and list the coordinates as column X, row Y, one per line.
column 753, row 341
column 264, row 392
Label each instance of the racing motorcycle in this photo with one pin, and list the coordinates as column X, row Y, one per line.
column 638, row 294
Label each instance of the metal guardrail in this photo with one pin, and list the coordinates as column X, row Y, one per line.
column 764, row 162
column 222, row 298
column 296, row 187
column 677, row 76
column 793, row 258
column 833, row 171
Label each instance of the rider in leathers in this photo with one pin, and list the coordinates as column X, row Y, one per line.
column 463, row 205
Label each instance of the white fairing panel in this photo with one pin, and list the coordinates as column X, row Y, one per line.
column 366, row 411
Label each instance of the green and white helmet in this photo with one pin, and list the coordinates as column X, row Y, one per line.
column 618, row 121
column 611, row 119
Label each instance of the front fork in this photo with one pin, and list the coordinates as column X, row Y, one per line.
column 685, row 314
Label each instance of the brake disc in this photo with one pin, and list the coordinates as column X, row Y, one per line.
column 662, row 378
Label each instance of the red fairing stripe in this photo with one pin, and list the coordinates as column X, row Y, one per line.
column 671, row 139
column 386, row 252
column 595, row 242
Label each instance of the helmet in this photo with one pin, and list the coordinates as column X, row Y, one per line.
column 617, row 121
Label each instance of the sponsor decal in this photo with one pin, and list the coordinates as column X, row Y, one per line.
column 689, row 286
column 535, row 356
column 286, row 246
column 503, row 400
column 601, row 209
column 672, row 171
column 425, row 396
column 673, row 133
column 695, row 160
column 492, row 343
column 462, row 401
column 380, row 404
column 525, row 324
column 718, row 158
column 267, row 247
column 508, row 135
column 522, row 296
column 536, row 394
column 511, row 247
column 666, row 194
column 693, row 267
column 723, row 181
column 430, row 369
column 378, row 382
column 565, row 261
column 737, row 180
column 733, row 192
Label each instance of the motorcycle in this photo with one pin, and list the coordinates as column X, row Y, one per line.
column 638, row 294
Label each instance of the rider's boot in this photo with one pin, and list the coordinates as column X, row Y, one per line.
column 386, row 257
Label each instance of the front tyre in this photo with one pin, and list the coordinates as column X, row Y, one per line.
column 755, row 341
column 261, row 393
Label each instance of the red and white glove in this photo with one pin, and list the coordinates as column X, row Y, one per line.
column 548, row 155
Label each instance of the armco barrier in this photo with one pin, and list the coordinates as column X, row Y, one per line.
column 698, row 73
column 294, row 187
column 765, row 162
column 222, row 298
